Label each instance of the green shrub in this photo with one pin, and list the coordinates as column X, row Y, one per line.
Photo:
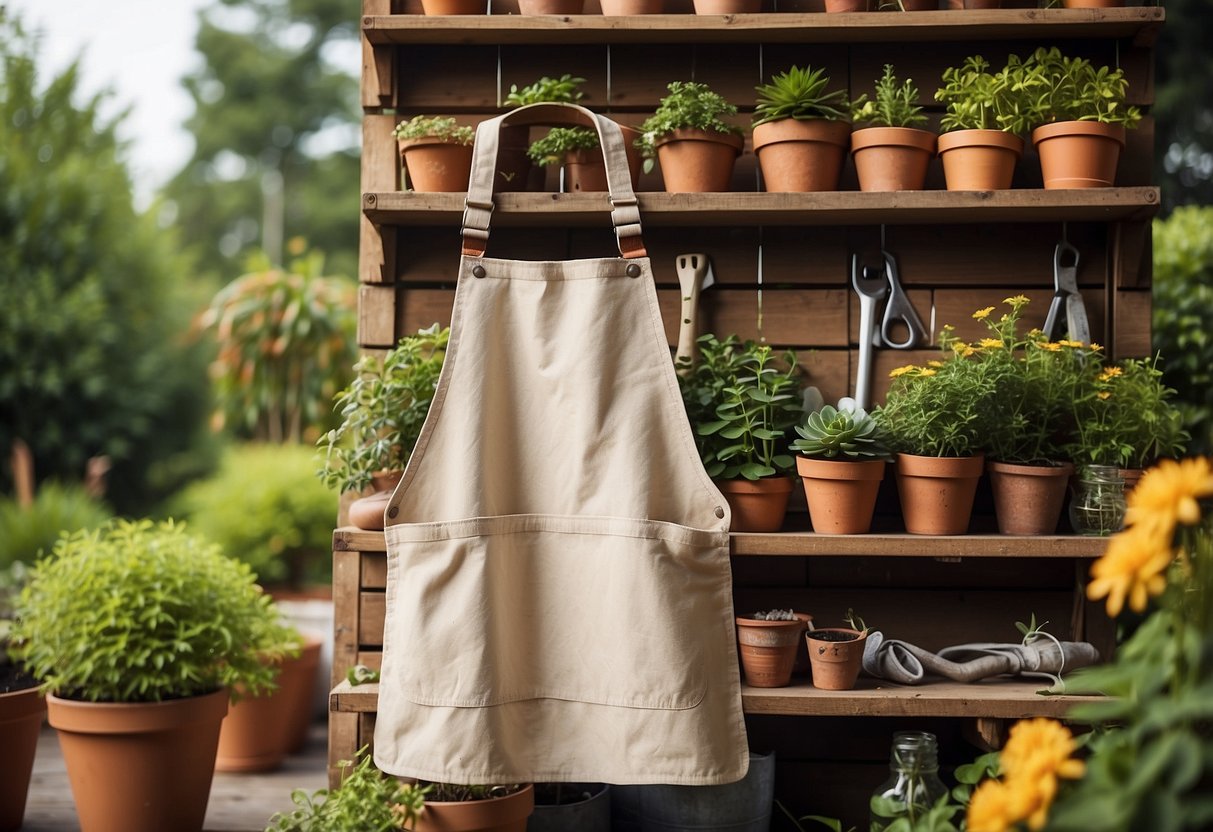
column 265, row 507
column 28, row 533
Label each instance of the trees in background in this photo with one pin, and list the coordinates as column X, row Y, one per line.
column 1183, row 109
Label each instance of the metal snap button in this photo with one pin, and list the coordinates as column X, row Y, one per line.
column 720, row 512
column 478, row 271
column 633, row 270
column 393, row 511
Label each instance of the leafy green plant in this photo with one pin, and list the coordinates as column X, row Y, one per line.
column 800, row 93
column 561, row 141
column 850, row 433
column 382, row 410
column 1060, row 88
column 286, row 340
column 444, row 129
column 687, row 106
column 137, row 612
column 1128, row 417
column 980, row 100
column 29, row 532
column 895, row 104
column 12, row 578
column 938, row 817
column 564, row 89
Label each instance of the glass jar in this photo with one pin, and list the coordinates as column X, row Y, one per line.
column 1097, row 506
column 913, row 786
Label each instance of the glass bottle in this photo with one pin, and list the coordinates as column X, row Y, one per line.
column 913, row 786
column 1097, row 506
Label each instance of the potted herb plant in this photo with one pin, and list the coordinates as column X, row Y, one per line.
column 742, row 407
column 515, row 172
column 767, row 642
column 1081, row 113
column 22, row 710
column 436, row 153
column 801, row 131
column 578, row 150
column 979, row 145
column 141, row 634
column 382, row 411
column 893, row 153
column 836, row 653
column 842, row 462
column 366, row 800
column 697, row 148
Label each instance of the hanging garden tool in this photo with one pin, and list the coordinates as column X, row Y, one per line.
column 875, row 284
column 1067, row 315
column 694, row 275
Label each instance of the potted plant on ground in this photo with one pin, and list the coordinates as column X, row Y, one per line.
column 836, row 653
column 142, row 633
column 688, row 135
column 436, row 153
column 892, row 154
column 979, row 144
column 842, row 462
column 366, row 800
column 578, row 150
column 515, row 172
column 22, row 709
column 801, row 131
column 768, row 641
column 382, row 411
column 1081, row 113
column 742, row 407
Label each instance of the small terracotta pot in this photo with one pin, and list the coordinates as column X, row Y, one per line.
column 584, row 170
column 144, row 767
column 757, row 505
column 841, row 494
column 843, row 6
column 551, row 6
column 698, row 161
column 768, row 649
column 937, row 492
column 836, row 664
column 801, row 156
column 979, row 160
column 1079, row 154
column 367, row 512
column 617, row 8
column 1028, row 498
column 436, row 166
column 21, row 713
column 1092, row 4
column 454, row 6
column 727, row 6
column 892, row 158
column 498, row 814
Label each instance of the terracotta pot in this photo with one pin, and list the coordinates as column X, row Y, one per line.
column 836, row 664
column 435, row 166
column 892, row 158
column 757, row 505
column 140, row 767
column 937, row 492
column 1092, row 4
column 801, row 155
column 768, row 649
column 584, row 170
column 982, row 4
column 367, row 512
column 841, row 493
column 259, row 731
column 454, row 6
column 499, row 814
column 1028, row 498
column 698, row 161
column 616, row 8
column 515, row 171
column 727, row 6
column 1079, row 154
column 21, row 713
column 842, row 6
column 979, row 160
column 551, row 6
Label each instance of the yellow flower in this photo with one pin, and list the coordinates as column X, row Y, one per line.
column 934, row 363
column 1167, row 494
column 901, row 371
column 967, row 351
column 1095, row 347
column 925, row 371
column 1070, row 344
column 1110, row 373
column 990, row 808
column 1037, row 753
column 1105, row 395
column 991, row 343
column 981, row 314
column 1016, row 301
column 1051, row 346
column 1131, row 567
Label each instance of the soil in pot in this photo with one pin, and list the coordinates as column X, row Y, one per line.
column 1078, row 154
column 768, row 649
column 435, row 166
column 937, row 492
column 1028, row 498
column 497, row 814
column 22, row 709
column 801, row 156
column 841, row 494
column 757, row 505
column 892, row 158
column 836, row 654
column 559, row 807
column 979, row 160
column 698, row 161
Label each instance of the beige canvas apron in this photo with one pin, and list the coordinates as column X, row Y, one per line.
column 559, row 598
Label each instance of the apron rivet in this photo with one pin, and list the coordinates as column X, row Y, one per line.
column 478, row 271
column 720, row 512
column 393, row 511
column 633, row 270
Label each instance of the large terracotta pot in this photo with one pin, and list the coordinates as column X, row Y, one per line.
column 551, row 6
column 841, row 493
column 757, row 505
column 937, row 492
column 1079, row 154
column 367, row 512
column 584, row 170
column 698, row 161
column 768, row 649
column 499, row 814
column 436, row 166
column 21, row 713
column 979, row 160
column 454, row 6
column 843, row 6
column 616, row 8
column 140, row 767
column 1028, row 498
column 836, row 664
column 892, row 158
column 727, row 6
column 801, row 155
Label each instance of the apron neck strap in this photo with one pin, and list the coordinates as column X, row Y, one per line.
column 478, row 207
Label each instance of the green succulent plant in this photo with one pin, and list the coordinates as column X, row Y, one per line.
column 438, row 127
column 800, row 93
column 895, row 105
column 832, row 433
column 773, row 615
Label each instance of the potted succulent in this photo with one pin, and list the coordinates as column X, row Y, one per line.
column 22, row 710
column 142, row 634
column 801, row 131
column 742, row 407
column 892, row 154
column 836, row 653
column 1081, row 113
column 578, row 149
column 979, row 145
column 688, row 135
column 382, row 411
column 768, row 641
column 436, row 153
column 842, row 462
column 514, row 169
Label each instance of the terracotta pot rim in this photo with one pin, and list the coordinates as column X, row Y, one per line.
column 21, row 704
column 862, row 636
column 78, row 716
column 695, row 135
column 743, row 621
column 1063, row 469
column 841, row 469
column 918, row 464
column 518, row 806
column 821, row 130
column 866, row 137
column 777, row 484
column 1093, row 129
column 957, row 139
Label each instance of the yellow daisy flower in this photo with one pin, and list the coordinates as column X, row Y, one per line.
column 982, row 314
column 1132, row 567
column 934, row 363
column 1016, row 301
column 990, row 808
column 991, row 343
column 1110, row 373
column 1071, row 344
column 1051, row 346
column 901, row 371
column 926, row 371
column 1105, row 395
column 967, row 351
column 1167, row 494
column 1095, row 347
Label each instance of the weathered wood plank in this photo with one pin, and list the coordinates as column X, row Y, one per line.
column 346, row 570
column 380, row 171
column 1132, row 310
column 377, row 316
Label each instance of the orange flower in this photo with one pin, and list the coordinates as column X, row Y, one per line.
column 990, row 808
column 1132, row 567
column 1167, row 494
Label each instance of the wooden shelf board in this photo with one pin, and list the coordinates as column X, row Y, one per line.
column 871, row 545
column 1140, row 23
column 1001, row 698
column 752, row 209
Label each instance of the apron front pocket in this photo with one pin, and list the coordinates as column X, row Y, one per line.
column 610, row 611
